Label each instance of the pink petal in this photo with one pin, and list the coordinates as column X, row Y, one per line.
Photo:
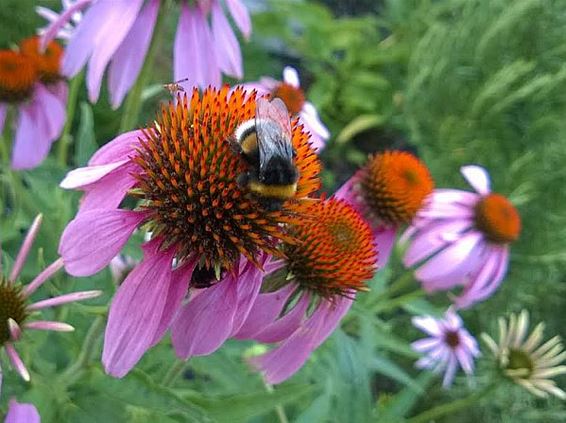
column 428, row 325
column 94, row 237
column 50, row 112
column 59, row 90
column 249, row 283
column 31, row 144
column 291, row 77
column 128, row 59
column 334, row 313
column 3, row 110
column 463, row 198
column 203, row 324
column 426, row 344
column 63, row 19
column 22, row 413
column 49, row 325
column 64, row 299
column 83, row 176
column 42, row 277
column 14, row 329
column 119, row 20
column 450, row 372
column 227, row 48
column 241, row 16
column 465, row 360
column 25, row 248
column 16, row 361
column 384, row 238
column 194, row 56
column 477, row 177
column 122, row 147
column 310, row 116
column 136, row 311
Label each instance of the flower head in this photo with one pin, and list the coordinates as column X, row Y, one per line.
column 463, row 238
column 16, row 309
column 184, row 172
column 30, row 82
column 528, row 361
column 449, row 346
column 289, row 90
column 334, row 259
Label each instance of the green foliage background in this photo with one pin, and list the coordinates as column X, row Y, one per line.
column 458, row 81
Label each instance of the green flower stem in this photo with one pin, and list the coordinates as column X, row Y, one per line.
column 399, row 301
column 176, row 369
column 278, row 408
column 87, row 352
column 65, row 140
column 452, row 407
column 133, row 102
column 401, row 283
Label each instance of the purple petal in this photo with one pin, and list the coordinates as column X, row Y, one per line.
column 14, row 329
column 50, row 112
column 426, row 344
column 334, row 313
column 94, row 237
column 450, row 372
column 25, row 248
column 384, row 238
column 427, row 324
column 241, row 16
column 310, row 117
column 128, row 59
column 3, row 109
column 65, row 299
column 42, row 277
column 478, row 178
column 63, row 19
column 83, row 176
column 22, row 413
column 463, row 198
column 16, row 361
column 49, row 325
column 119, row 20
column 227, row 48
column 59, row 90
column 203, row 324
column 249, row 283
column 465, row 360
column 31, row 144
column 136, row 311
column 291, row 77
column 194, row 54
column 120, row 148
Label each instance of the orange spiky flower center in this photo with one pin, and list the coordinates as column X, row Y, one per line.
column 335, row 254
column 18, row 75
column 293, row 97
column 394, row 186
column 48, row 63
column 189, row 182
column 12, row 306
column 498, row 219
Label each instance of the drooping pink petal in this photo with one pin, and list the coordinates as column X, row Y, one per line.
column 50, row 112
column 176, row 292
column 136, row 311
column 120, row 148
column 450, row 372
column 94, row 237
column 228, row 54
column 194, row 56
column 310, row 117
column 49, row 325
column 3, row 110
column 22, row 413
column 83, row 176
column 63, row 19
column 203, row 324
column 384, row 238
column 31, row 144
column 249, row 284
column 25, row 248
column 128, row 59
column 60, row 90
column 291, row 77
column 14, row 329
column 241, row 16
column 449, row 196
column 334, row 312
column 42, row 277
column 16, row 361
column 478, row 178
column 64, row 299
column 119, row 20
column 426, row 344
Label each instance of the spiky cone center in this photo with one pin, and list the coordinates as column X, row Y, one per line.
column 452, row 339
column 394, row 186
column 498, row 219
column 335, row 253
column 189, row 181
column 12, row 306
column 48, row 63
column 519, row 361
column 293, row 97
column 18, row 74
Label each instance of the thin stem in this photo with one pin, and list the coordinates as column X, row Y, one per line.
column 174, row 372
column 133, row 102
column 452, row 407
column 401, row 283
column 65, row 140
column 279, row 410
column 400, row 300
column 87, row 352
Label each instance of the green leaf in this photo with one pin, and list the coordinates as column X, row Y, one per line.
column 388, row 368
column 360, row 124
column 85, row 141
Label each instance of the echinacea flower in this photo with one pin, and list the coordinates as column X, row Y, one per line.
column 449, row 346
column 289, row 90
column 320, row 275
column 15, row 308
column 463, row 238
column 31, row 84
column 388, row 191
column 22, row 413
column 117, row 35
column 528, row 361
column 185, row 173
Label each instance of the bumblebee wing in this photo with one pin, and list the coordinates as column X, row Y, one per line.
column 273, row 128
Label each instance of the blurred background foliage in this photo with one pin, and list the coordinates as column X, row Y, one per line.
column 457, row 82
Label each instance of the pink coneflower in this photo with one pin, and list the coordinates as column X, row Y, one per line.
column 31, row 84
column 289, row 90
column 21, row 413
column 117, row 34
column 463, row 239
column 15, row 307
column 388, row 191
column 185, row 172
column 312, row 289
column 449, row 346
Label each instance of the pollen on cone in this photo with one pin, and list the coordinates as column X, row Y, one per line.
column 335, row 253
column 48, row 63
column 18, row 74
column 498, row 219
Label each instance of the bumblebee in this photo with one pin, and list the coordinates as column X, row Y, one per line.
column 265, row 143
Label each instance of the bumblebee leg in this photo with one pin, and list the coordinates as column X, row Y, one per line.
column 243, row 179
